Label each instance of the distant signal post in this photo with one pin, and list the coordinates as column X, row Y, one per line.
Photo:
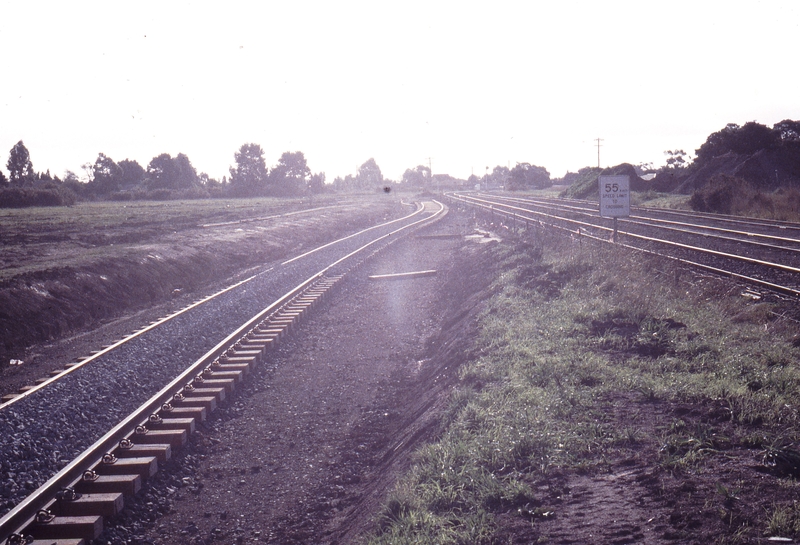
column 615, row 198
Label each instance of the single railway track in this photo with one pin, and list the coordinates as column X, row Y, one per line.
column 69, row 508
column 752, row 251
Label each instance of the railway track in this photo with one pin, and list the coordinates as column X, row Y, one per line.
column 71, row 505
column 765, row 255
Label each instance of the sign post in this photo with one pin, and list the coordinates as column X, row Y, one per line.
column 615, row 198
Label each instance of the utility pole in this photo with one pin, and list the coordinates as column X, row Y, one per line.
column 598, row 140
column 430, row 173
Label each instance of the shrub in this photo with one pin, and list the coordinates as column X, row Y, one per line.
column 726, row 194
column 17, row 197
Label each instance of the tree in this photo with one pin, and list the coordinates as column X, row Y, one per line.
column 788, row 130
column 185, row 173
column 676, row 158
column 161, row 172
column 3, row 180
column 752, row 137
column 290, row 176
column 249, row 178
column 106, row 175
column 74, row 183
column 348, row 183
column 527, row 176
column 419, row 177
column 133, row 174
column 316, row 184
column 499, row 175
column 166, row 172
column 20, row 168
column 44, row 177
column 749, row 138
column 369, row 175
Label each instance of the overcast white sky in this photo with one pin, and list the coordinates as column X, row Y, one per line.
column 466, row 84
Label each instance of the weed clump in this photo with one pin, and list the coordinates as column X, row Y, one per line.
column 629, row 331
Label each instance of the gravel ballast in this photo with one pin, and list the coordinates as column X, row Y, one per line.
column 44, row 431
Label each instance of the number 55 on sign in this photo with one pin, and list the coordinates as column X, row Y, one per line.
column 615, row 201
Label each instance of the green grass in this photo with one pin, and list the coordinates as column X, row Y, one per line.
column 570, row 328
column 660, row 200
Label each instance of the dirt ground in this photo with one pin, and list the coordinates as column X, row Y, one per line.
column 308, row 451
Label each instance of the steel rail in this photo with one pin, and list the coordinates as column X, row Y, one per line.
column 699, row 249
column 652, row 223
column 128, row 338
column 780, row 224
column 124, row 340
column 418, row 211
column 642, row 220
column 24, row 513
column 724, row 218
column 265, row 218
column 776, row 287
column 435, row 216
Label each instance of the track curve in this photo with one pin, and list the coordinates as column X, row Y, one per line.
column 47, row 427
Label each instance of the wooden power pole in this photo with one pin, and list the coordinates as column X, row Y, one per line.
column 598, row 140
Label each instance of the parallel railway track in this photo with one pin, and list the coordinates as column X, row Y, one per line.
column 763, row 254
column 70, row 506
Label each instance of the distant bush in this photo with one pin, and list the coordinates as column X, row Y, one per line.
column 725, row 194
column 161, row 194
column 18, row 197
column 585, row 185
column 582, row 184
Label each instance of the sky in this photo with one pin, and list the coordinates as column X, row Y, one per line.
column 457, row 85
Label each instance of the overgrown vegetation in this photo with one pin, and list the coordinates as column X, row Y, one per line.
column 609, row 358
column 731, row 195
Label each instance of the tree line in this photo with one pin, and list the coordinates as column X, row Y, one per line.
column 168, row 177
column 164, row 177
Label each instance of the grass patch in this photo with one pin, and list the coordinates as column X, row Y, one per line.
column 660, row 200
column 575, row 346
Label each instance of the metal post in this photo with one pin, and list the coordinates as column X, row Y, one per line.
column 615, row 229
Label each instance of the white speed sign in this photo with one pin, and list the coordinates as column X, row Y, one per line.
column 615, row 196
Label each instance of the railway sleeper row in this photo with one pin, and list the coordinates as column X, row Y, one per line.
column 76, row 515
